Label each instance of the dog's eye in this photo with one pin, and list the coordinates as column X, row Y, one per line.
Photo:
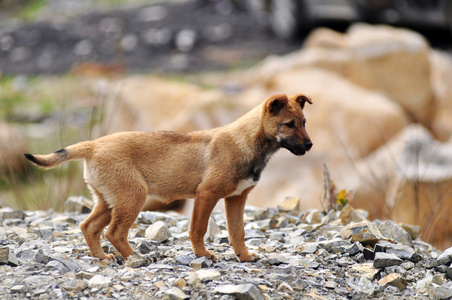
column 290, row 124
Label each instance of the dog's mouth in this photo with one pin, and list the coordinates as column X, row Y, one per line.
column 297, row 149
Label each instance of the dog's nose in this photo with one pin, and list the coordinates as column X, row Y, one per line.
column 308, row 145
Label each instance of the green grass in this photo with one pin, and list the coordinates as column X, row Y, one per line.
column 57, row 99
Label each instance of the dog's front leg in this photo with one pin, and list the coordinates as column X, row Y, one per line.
column 235, row 207
column 204, row 204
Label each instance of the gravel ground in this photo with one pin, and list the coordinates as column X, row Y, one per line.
column 304, row 255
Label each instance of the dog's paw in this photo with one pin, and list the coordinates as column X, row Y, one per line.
column 209, row 254
column 248, row 257
column 110, row 257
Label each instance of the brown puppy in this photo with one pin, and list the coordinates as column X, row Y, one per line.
column 121, row 169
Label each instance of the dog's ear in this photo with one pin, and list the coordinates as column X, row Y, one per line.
column 276, row 103
column 302, row 99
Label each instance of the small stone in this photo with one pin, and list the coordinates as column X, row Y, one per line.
column 449, row 272
column 364, row 232
column 313, row 217
column 355, row 248
column 349, row 214
column 383, row 260
column 180, row 282
column 403, row 252
column 158, row 232
column 78, row 204
column 201, row 262
column 208, row 275
column 443, row 291
column 413, row 230
column 175, row 293
column 9, row 213
column 429, row 263
column 46, row 233
column 309, row 248
column 99, row 281
column 145, row 247
column 241, row 291
column 83, row 47
column 7, row 257
column 136, row 260
column 185, row 259
column 393, row 279
column 74, row 285
column 394, row 231
column 290, row 204
column 362, row 288
column 213, row 230
column 185, row 40
column 366, row 269
column 285, row 288
column 18, row 289
column 129, row 42
column 445, row 258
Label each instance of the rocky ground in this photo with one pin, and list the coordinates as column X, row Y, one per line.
column 166, row 36
column 304, row 255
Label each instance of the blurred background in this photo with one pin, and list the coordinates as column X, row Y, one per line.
column 379, row 74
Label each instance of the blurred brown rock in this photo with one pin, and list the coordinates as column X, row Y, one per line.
column 344, row 120
column 395, row 62
column 441, row 80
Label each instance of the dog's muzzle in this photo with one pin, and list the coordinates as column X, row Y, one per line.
column 297, row 149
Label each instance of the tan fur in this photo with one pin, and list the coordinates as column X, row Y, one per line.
column 122, row 169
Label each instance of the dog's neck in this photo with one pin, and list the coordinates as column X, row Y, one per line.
column 255, row 146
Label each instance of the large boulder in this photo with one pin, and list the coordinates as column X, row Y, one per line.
column 387, row 60
column 345, row 120
column 408, row 180
column 152, row 103
column 441, row 78
column 396, row 62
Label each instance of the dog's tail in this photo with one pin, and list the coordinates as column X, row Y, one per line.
column 76, row 151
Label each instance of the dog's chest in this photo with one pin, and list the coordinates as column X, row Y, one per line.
column 242, row 186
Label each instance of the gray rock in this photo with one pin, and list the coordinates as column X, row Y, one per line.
column 46, row 233
column 175, row 293
column 449, row 272
column 185, row 40
column 394, row 231
column 158, row 232
column 445, row 258
column 7, row 257
column 74, row 285
column 240, row 292
column 383, row 260
column 137, row 260
column 440, row 292
column 403, row 252
column 9, row 213
column 364, row 232
column 99, row 281
column 208, row 275
column 185, row 259
column 201, row 262
column 213, row 230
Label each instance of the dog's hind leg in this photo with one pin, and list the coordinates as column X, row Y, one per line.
column 235, row 207
column 124, row 214
column 94, row 224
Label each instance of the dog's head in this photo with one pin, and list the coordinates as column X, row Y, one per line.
column 284, row 121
